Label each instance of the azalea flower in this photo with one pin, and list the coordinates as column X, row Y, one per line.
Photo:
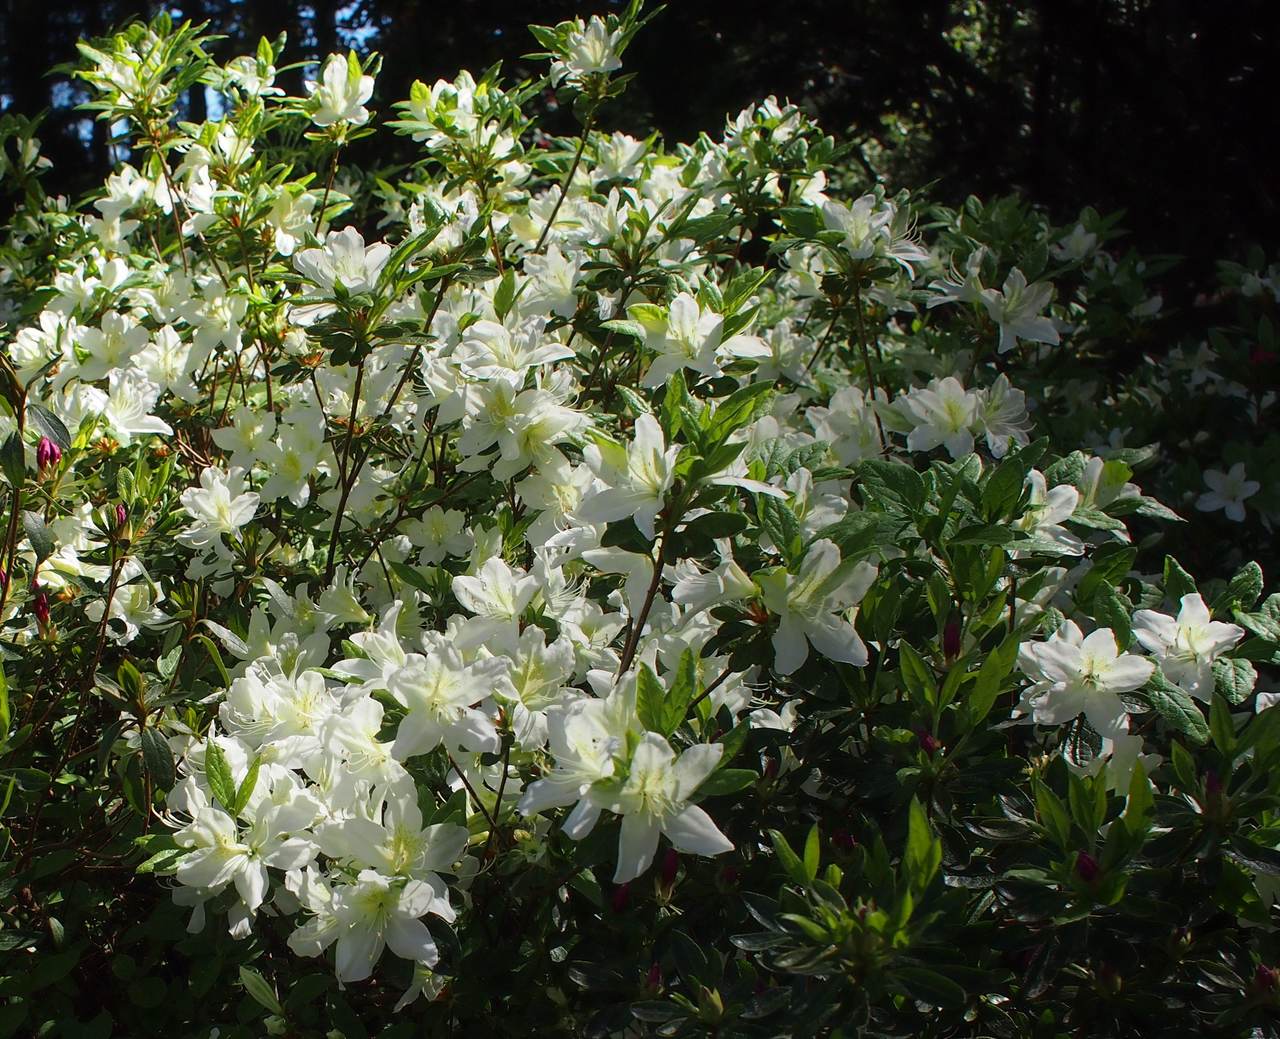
column 636, row 477
column 340, row 93
column 219, row 506
column 1017, row 310
column 1227, row 491
column 1187, row 647
column 589, row 49
column 811, row 607
column 1074, row 675
column 653, row 799
column 870, row 232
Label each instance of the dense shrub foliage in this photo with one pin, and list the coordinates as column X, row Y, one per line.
column 613, row 587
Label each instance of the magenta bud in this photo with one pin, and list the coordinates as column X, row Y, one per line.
column 843, row 840
column 40, row 606
column 1212, row 785
column 1265, row 978
column 728, row 877
column 121, row 515
column 1087, row 868
column 928, row 741
column 653, row 980
column 670, row 867
column 621, row 897
column 47, row 453
column 951, row 641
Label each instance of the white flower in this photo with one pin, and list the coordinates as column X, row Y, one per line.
column 1076, row 675
column 942, row 413
column 811, row 607
column 220, row 505
column 590, row 49
column 367, row 916
column 338, row 96
column 344, row 260
column 1017, row 309
column 1187, row 647
column 637, row 477
column 1046, row 510
column 1227, row 491
column 654, row 799
column 441, row 692
column 870, row 231
column 127, row 412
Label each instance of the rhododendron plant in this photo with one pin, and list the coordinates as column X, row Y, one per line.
column 631, row 586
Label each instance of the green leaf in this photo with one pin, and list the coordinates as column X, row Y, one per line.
column 812, row 852
column 1110, row 610
column 246, row 787
column 684, row 687
column 39, row 534
column 650, row 700
column 1244, row 589
column 256, row 985
column 928, row 986
column 892, row 484
column 218, row 772
column 726, row 781
column 1177, row 709
column 995, row 669
column 788, row 859
column 47, row 424
column 1141, row 804
column 13, row 461
column 923, row 854
column 917, row 676
column 1177, row 582
column 1234, row 679
column 780, row 523
column 157, row 759
column 716, row 525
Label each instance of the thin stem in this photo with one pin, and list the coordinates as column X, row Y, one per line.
column 633, row 638
column 866, row 358
column 564, row 187
column 348, row 478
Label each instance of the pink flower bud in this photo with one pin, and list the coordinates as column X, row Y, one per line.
column 653, row 980
column 951, row 642
column 1265, row 978
column 47, row 453
column 40, row 606
column 670, row 867
column 121, row 515
column 621, row 897
column 928, row 742
column 1087, row 868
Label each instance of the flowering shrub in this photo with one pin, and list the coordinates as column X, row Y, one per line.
column 611, row 588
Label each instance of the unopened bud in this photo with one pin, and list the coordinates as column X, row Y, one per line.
column 40, row 607
column 1087, row 868
column 951, row 641
column 843, row 840
column 670, row 867
column 928, row 741
column 122, row 515
column 1265, row 978
column 47, row 453
column 621, row 898
column 653, row 980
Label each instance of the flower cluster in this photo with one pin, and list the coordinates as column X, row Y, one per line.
column 536, row 522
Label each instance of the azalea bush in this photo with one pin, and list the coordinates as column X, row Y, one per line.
column 606, row 586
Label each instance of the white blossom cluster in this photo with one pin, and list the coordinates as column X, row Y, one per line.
column 468, row 660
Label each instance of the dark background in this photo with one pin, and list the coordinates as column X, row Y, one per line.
column 1163, row 108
